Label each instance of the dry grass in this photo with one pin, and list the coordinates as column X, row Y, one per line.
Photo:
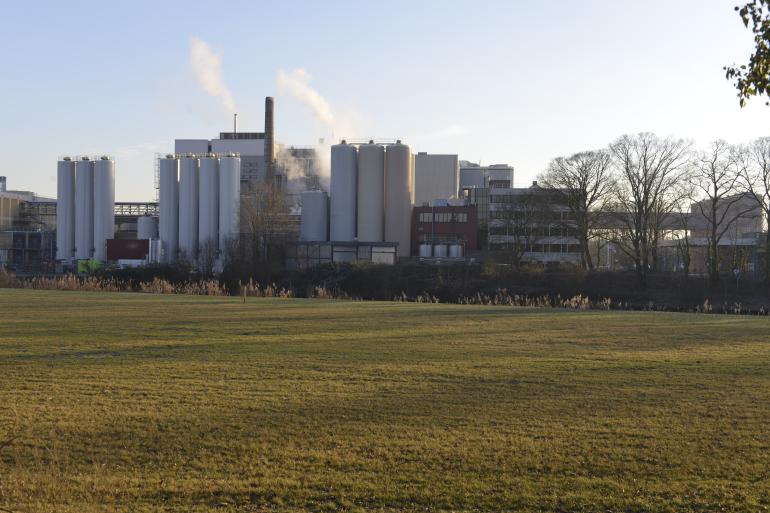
column 137, row 402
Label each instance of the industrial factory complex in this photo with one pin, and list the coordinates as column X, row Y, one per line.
column 381, row 203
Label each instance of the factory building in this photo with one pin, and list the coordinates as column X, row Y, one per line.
column 475, row 176
column 27, row 227
column 533, row 224
column 435, row 177
column 256, row 149
column 370, row 206
column 445, row 229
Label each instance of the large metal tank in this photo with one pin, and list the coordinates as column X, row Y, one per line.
column 399, row 196
column 343, row 189
column 84, row 208
column 315, row 216
column 455, row 250
column 426, row 250
column 169, row 208
column 65, row 209
column 208, row 203
column 371, row 192
column 440, row 250
column 188, row 208
column 229, row 202
column 104, row 205
column 147, row 227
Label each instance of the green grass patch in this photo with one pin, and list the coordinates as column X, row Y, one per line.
column 144, row 403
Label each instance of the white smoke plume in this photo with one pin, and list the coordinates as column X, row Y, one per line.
column 297, row 83
column 207, row 66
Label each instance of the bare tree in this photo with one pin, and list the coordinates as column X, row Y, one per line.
column 648, row 168
column 756, row 174
column 207, row 256
column 265, row 225
column 682, row 226
column 584, row 183
column 717, row 178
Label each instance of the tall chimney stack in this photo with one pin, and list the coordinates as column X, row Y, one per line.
column 2, row 184
column 269, row 138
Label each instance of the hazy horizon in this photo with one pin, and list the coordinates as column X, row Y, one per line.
column 496, row 82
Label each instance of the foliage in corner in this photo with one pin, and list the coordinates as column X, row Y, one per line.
column 753, row 79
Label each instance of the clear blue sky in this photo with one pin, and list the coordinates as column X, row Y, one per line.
column 506, row 81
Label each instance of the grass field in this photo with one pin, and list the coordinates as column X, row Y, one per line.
column 131, row 402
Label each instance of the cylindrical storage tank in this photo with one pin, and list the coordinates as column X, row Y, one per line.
column 229, row 203
column 208, row 204
column 440, row 250
column 371, row 192
column 65, row 209
column 315, row 211
column 169, row 208
column 147, row 227
column 399, row 196
column 456, row 250
column 84, row 208
column 188, row 208
column 426, row 250
column 104, row 206
column 343, row 189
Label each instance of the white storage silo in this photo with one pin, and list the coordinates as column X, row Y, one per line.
column 147, row 227
column 315, row 210
column 229, row 202
column 65, row 209
column 84, row 208
column 104, row 205
column 169, row 208
column 426, row 250
column 399, row 196
column 208, row 203
column 440, row 250
column 371, row 192
column 188, row 208
column 343, row 189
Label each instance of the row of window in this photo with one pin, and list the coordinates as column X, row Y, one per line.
column 534, row 231
column 443, row 217
column 522, row 215
column 545, row 248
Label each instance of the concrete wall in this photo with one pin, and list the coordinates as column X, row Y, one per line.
column 435, row 177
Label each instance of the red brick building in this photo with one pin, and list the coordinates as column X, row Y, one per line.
column 445, row 225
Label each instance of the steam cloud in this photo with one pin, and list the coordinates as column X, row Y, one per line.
column 297, row 83
column 208, row 69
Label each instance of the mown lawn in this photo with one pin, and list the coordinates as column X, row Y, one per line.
column 144, row 403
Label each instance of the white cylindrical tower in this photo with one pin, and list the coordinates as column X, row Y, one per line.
column 147, row 227
column 104, row 205
column 65, row 209
column 208, row 203
column 169, row 208
column 343, row 188
column 315, row 216
column 188, row 208
column 84, row 208
column 229, row 202
column 399, row 196
column 371, row 192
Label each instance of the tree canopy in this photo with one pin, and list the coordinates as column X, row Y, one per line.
column 753, row 79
